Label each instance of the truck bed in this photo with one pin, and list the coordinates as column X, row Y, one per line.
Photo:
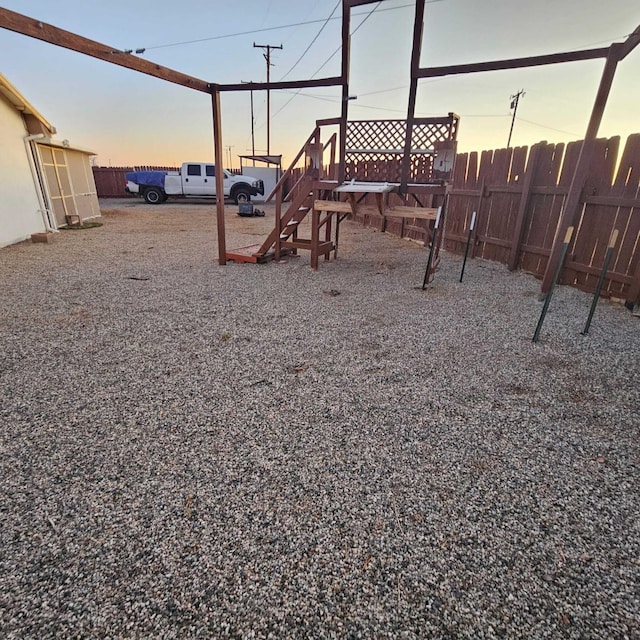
column 147, row 178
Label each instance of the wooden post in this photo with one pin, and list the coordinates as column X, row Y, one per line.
column 278, row 244
column 571, row 209
column 523, row 207
column 413, row 90
column 219, row 164
column 327, row 234
column 315, row 238
column 346, row 41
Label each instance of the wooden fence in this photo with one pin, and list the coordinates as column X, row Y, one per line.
column 518, row 195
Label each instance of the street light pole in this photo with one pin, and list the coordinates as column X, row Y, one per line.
column 267, row 57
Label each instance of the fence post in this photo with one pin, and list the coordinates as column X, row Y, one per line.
column 523, row 207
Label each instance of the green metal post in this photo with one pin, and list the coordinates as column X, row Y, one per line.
column 556, row 275
column 466, row 251
column 603, row 273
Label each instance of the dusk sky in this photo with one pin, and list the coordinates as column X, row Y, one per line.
column 129, row 118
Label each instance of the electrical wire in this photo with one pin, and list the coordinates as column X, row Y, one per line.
column 304, row 53
column 370, row 106
column 544, row 126
column 325, row 62
column 264, row 29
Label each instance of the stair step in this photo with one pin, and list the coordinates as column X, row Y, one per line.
column 252, row 254
column 333, row 206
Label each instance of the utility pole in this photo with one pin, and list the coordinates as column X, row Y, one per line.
column 229, row 152
column 514, row 105
column 253, row 141
column 267, row 57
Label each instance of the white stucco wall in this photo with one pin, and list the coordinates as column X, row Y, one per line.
column 19, row 207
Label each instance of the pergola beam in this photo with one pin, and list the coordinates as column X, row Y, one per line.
column 287, row 84
column 357, row 3
column 66, row 39
column 514, row 63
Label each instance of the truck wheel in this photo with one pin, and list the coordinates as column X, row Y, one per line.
column 153, row 195
column 242, row 195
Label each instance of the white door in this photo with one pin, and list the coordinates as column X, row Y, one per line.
column 210, row 180
column 59, row 189
column 193, row 180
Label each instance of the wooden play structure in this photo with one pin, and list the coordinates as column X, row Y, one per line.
column 358, row 145
column 373, row 173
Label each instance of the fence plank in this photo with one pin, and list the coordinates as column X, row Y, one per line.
column 545, row 206
column 523, row 207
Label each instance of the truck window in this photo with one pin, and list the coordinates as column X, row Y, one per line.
column 211, row 170
column 193, row 170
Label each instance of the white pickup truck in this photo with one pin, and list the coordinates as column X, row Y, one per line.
column 195, row 179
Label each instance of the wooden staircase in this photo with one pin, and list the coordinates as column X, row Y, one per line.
column 312, row 198
column 285, row 226
column 311, row 195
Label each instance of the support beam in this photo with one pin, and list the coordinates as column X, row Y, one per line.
column 326, row 122
column 358, row 3
column 571, row 208
column 285, row 84
column 219, row 164
column 413, row 91
column 36, row 29
column 344, row 111
column 514, row 63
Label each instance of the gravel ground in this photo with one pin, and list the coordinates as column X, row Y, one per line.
column 189, row 450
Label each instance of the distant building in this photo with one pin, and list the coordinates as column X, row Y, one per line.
column 45, row 184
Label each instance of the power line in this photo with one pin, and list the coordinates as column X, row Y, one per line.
column 282, row 26
column 370, row 106
column 544, row 126
column 304, row 53
column 328, row 59
column 462, row 115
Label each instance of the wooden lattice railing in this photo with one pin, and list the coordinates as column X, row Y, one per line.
column 374, row 149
